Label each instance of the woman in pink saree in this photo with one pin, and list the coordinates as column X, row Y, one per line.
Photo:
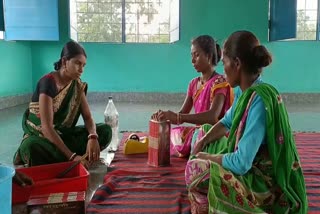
column 209, row 95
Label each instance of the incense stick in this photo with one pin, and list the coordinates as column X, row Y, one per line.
column 62, row 174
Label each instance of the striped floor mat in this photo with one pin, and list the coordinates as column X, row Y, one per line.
column 134, row 187
column 308, row 145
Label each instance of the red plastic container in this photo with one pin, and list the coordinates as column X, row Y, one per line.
column 45, row 181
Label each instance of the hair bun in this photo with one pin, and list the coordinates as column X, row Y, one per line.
column 261, row 56
column 57, row 65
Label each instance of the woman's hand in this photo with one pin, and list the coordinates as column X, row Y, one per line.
column 21, row 179
column 166, row 115
column 199, row 146
column 169, row 115
column 93, row 150
column 84, row 162
column 154, row 116
column 211, row 157
column 203, row 155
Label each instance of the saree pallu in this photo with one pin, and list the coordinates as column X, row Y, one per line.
column 35, row 149
column 183, row 137
column 274, row 184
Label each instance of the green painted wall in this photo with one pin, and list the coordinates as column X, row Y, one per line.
column 164, row 67
column 295, row 67
column 154, row 67
column 44, row 54
column 227, row 16
column 15, row 72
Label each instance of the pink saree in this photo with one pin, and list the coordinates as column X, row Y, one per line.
column 183, row 137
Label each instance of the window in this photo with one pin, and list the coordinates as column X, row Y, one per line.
column 294, row 19
column 282, row 19
column 32, row 20
column 131, row 21
column 1, row 20
column 307, row 19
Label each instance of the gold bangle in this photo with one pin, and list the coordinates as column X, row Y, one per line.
column 178, row 118
column 72, row 156
column 93, row 136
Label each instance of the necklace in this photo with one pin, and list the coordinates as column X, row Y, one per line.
column 58, row 82
column 212, row 75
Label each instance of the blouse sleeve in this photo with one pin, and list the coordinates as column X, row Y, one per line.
column 254, row 134
column 47, row 86
column 223, row 91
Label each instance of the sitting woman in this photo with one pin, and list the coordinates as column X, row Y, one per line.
column 258, row 170
column 210, row 96
column 49, row 124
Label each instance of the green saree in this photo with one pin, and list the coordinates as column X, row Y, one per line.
column 35, row 149
column 274, row 184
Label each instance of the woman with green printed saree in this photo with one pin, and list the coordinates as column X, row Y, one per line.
column 257, row 169
column 49, row 124
column 209, row 95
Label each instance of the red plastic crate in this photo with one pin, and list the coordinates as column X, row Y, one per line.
column 45, row 181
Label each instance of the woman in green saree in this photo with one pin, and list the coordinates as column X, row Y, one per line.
column 49, row 123
column 257, row 169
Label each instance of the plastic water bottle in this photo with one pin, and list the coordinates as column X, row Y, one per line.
column 111, row 117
